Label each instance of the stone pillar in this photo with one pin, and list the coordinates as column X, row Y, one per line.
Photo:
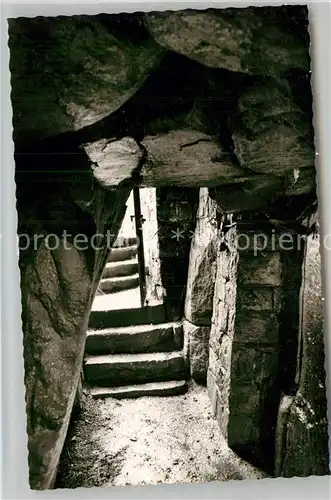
column 264, row 351
column 302, row 427
column 254, row 392
column 154, row 292
column 200, row 287
column 254, row 334
column 176, row 214
column 222, row 327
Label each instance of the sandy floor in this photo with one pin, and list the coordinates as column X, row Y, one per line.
column 149, row 440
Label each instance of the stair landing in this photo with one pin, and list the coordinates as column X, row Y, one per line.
column 127, row 299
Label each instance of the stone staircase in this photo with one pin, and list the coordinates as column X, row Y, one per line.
column 121, row 271
column 131, row 352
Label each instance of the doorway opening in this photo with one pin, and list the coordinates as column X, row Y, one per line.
column 132, row 276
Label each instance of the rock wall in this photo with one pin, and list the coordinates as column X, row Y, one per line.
column 234, row 38
column 60, row 265
column 79, row 70
column 302, row 427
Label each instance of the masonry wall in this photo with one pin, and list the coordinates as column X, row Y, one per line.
column 254, row 336
column 254, row 392
column 176, row 216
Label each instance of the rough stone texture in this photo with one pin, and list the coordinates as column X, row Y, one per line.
column 255, row 327
column 264, row 351
column 135, row 339
column 264, row 269
column 250, row 40
column 114, row 161
column 59, row 277
column 202, row 263
column 197, row 338
column 222, row 328
column 154, row 289
column 79, row 72
column 176, row 214
column 260, row 299
column 188, row 157
column 268, row 119
column 124, row 369
column 255, row 353
column 256, row 194
column 103, row 318
column 289, row 305
column 164, row 389
column 303, row 449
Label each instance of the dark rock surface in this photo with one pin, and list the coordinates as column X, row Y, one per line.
column 59, row 276
column 252, row 40
column 303, row 449
column 268, row 120
column 198, row 346
column 79, row 70
column 202, row 263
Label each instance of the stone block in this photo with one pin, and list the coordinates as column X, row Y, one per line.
column 198, row 340
column 220, row 316
column 202, row 263
column 222, row 412
column 256, row 299
column 220, row 351
column 242, row 430
column 219, row 402
column 277, row 299
column 211, row 385
column 213, row 362
column 92, row 77
column 201, row 283
column 227, row 40
column 253, row 366
column 263, row 269
column 244, row 400
column 305, row 450
column 256, row 327
column 244, row 415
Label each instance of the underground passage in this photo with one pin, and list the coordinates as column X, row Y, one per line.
column 172, row 299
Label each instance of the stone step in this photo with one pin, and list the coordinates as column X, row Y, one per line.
column 113, row 285
column 123, row 241
column 164, row 337
column 123, row 253
column 121, row 268
column 161, row 389
column 127, row 317
column 125, row 369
